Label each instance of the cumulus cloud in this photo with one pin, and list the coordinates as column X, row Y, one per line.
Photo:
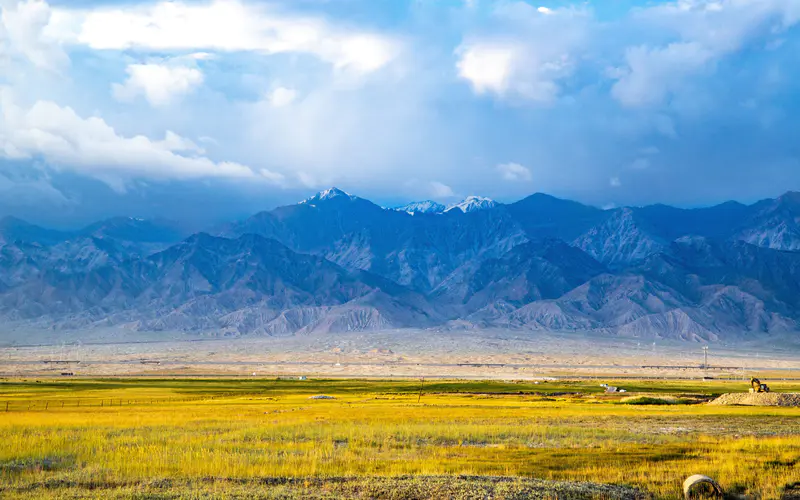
column 654, row 73
column 23, row 34
column 512, row 70
column 160, row 84
column 281, row 96
column 514, row 172
column 703, row 32
column 614, row 182
column 486, row 66
column 226, row 26
column 527, row 56
column 91, row 147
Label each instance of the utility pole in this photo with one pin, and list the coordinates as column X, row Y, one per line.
column 705, row 357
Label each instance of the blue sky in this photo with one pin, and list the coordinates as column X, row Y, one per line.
column 212, row 110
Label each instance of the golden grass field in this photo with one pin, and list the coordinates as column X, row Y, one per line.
column 175, row 438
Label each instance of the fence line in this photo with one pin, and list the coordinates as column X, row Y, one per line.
column 51, row 404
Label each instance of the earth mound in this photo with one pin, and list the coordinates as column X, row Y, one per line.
column 759, row 399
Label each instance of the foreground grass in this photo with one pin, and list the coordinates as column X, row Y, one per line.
column 329, row 488
column 168, row 438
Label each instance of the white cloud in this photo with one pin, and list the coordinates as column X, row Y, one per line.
column 208, row 140
column 224, row 25
column 640, row 164
column 487, row 67
column 174, row 142
column 614, row 182
column 722, row 25
column 527, row 56
column 703, row 33
column 91, row 147
column 23, row 27
column 440, row 190
column 281, row 96
column 350, row 134
column 514, row 172
column 509, row 70
column 160, row 84
column 544, row 10
column 653, row 73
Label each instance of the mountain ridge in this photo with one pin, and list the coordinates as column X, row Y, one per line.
column 338, row 262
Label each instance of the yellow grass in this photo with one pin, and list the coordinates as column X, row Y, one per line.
column 195, row 430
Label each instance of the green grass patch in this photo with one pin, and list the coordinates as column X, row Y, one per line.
column 649, row 400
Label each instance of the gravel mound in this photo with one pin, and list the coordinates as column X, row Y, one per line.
column 758, row 399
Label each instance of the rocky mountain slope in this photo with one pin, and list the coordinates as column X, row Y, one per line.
column 338, row 262
column 249, row 284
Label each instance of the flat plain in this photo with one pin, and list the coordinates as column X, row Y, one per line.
column 269, row 438
column 474, row 354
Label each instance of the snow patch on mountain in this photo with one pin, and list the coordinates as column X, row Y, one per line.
column 472, row 204
column 328, row 194
column 422, row 207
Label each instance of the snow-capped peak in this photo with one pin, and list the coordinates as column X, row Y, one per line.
column 422, row 207
column 328, row 194
column 473, row 203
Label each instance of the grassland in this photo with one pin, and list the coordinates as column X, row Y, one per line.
column 172, row 438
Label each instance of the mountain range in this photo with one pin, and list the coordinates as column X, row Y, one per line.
column 338, row 262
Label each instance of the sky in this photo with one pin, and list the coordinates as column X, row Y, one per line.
column 210, row 110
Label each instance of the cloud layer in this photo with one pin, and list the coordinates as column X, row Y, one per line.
column 92, row 147
column 223, row 25
column 685, row 101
